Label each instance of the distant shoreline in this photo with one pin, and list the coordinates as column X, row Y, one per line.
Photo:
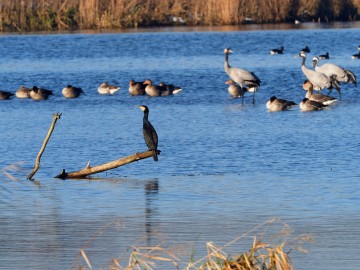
column 74, row 15
column 219, row 28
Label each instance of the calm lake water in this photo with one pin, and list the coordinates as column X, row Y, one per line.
column 224, row 168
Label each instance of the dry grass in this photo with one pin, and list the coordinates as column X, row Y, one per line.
column 261, row 255
column 86, row 14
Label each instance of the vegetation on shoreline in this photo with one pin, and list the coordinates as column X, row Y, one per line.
column 39, row 15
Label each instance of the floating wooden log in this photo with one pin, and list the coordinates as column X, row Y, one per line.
column 88, row 170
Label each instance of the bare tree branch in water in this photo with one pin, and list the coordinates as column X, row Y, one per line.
column 37, row 161
column 88, row 170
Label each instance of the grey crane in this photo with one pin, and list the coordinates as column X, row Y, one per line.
column 241, row 76
column 319, row 80
column 341, row 75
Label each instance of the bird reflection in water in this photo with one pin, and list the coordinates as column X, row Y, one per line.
column 151, row 194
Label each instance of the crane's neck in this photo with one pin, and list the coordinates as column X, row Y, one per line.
column 226, row 63
column 303, row 61
column 315, row 64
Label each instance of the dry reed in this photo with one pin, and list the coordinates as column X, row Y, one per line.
column 35, row 15
column 261, row 256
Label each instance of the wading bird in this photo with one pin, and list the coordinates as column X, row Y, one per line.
column 319, row 80
column 241, row 76
column 235, row 90
column 340, row 74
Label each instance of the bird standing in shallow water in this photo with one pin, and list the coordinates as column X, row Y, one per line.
column 341, row 75
column 241, row 76
column 235, row 90
column 318, row 79
column 150, row 135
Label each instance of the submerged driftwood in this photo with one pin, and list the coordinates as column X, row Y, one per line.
column 37, row 161
column 88, row 170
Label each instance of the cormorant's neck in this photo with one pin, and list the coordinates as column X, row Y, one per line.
column 146, row 115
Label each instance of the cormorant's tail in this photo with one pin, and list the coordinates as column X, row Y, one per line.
column 155, row 155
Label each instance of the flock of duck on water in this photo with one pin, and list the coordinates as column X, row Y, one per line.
column 135, row 88
column 327, row 76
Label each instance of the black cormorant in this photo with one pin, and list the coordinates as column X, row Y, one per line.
column 150, row 135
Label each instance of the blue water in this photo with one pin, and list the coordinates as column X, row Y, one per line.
column 224, row 168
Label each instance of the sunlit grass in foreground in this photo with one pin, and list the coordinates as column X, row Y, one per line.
column 261, row 255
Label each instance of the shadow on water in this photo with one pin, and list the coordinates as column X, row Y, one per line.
column 151, row 195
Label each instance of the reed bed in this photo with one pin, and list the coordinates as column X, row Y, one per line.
column 261, row 255
column 34, row 15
